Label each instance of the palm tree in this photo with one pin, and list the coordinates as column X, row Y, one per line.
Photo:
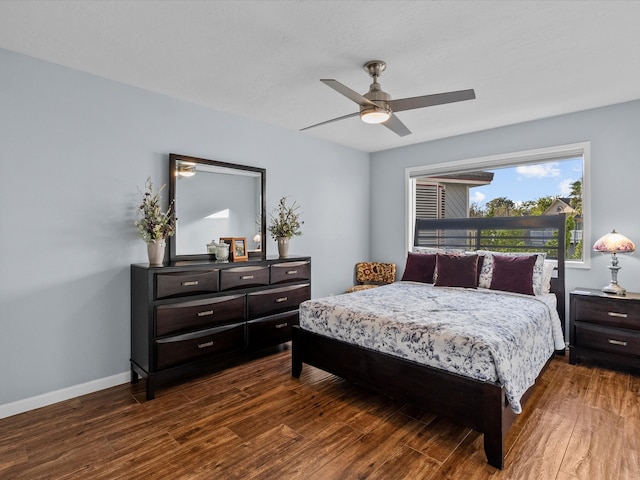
column 576, row 196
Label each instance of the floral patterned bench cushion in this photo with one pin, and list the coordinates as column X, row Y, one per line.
column 373, row 274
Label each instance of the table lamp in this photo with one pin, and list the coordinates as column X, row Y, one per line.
column 614, row 243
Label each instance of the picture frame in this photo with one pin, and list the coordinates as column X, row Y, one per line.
column 237, row 248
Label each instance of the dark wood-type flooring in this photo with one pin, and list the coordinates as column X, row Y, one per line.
column 255, row 421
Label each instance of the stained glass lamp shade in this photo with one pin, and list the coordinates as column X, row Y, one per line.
column 614, row 243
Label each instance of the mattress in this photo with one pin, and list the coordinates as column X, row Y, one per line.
column 483, row 334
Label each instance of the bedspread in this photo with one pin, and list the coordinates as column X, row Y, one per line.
column 483, row 334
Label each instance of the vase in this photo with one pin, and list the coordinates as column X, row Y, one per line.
column 155, row 250
column 283, row 246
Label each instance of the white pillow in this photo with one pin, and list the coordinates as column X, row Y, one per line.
column 487, row 268
column 547, row 275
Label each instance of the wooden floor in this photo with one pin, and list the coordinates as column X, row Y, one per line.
column 257, row 422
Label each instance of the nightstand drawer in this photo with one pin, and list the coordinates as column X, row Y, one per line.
column 192, row 346
column 177, row 317
column 604, row 339
column 605, row 311
column 186, row 283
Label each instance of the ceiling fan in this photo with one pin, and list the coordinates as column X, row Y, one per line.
column 376, row 106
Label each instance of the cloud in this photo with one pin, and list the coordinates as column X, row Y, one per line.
column 478, row 197
column 565, row 187
column 542, row 170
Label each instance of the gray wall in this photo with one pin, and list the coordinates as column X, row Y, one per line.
column 615, row 173
column 75, row 149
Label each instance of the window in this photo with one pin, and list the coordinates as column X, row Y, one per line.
column 430, row 199
column 538, row 182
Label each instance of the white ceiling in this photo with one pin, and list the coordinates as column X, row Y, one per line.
column 263, row 59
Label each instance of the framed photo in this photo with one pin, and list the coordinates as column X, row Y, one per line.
column 237, row 248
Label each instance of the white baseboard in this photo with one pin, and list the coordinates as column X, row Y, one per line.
column 20, row 406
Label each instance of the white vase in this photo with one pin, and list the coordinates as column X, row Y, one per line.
column 155, row 250
column 283, row 246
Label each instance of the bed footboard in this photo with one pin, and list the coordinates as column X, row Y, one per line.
column 471, row 403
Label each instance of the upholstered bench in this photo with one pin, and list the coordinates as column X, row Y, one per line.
column 373, row 274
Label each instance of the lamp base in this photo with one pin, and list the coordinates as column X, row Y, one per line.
column 614, row 289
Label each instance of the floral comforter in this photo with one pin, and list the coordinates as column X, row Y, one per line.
column 483, row 334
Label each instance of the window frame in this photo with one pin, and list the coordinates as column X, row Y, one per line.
column 513, row 159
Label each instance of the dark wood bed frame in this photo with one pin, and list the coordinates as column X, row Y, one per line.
column 479, row 405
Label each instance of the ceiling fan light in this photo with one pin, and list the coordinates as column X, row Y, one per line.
column 375, row 115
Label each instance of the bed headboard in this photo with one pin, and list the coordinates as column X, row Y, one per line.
column 544, row 233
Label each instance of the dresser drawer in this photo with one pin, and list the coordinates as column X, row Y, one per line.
column 178, row 317
column 244, row 277
column 616, row 313
column 271, row 330
column 276, row 300
column 612, row 340
column 290, row 272
column 186, row 283
column 192, row 346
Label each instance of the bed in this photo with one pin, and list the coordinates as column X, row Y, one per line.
column 390, row 339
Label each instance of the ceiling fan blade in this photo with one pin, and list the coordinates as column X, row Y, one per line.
column 431, row 100
column 396, row 126
column 332, row 120
column 347, row 92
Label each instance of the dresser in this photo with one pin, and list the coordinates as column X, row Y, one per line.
column 604, row 328
column 190, row 318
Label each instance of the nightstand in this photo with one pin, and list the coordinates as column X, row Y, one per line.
column 604, row 327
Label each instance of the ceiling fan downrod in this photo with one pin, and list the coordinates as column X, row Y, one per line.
column 381, row 112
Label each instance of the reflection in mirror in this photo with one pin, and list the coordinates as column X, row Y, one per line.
column 215, row 200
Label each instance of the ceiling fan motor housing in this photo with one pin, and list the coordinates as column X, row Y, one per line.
column 378, row 97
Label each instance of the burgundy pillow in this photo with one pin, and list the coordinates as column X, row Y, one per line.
column 419, row 267
column 457, row 271
column 513, row 274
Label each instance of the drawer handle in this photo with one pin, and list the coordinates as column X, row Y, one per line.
column 246, row 277
column 190, row 283
column 618, row 342
column 282, row 325
column 206, row 344
column 281, row 299
column 616, row 314
column 205, row 313
column 292, row 272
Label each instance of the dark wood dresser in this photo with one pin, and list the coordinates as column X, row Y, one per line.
column 189, row 318
column 604, row 327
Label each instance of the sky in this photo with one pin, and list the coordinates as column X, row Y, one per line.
column 529, row 182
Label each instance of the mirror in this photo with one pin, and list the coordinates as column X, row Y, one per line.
column 215, row 200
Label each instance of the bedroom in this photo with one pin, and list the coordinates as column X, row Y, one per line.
column 76, row 148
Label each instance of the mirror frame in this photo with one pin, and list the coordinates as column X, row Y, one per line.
column 173, row 161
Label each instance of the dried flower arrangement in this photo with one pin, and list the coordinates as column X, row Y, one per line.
column 284, row 221
column 155, row 224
